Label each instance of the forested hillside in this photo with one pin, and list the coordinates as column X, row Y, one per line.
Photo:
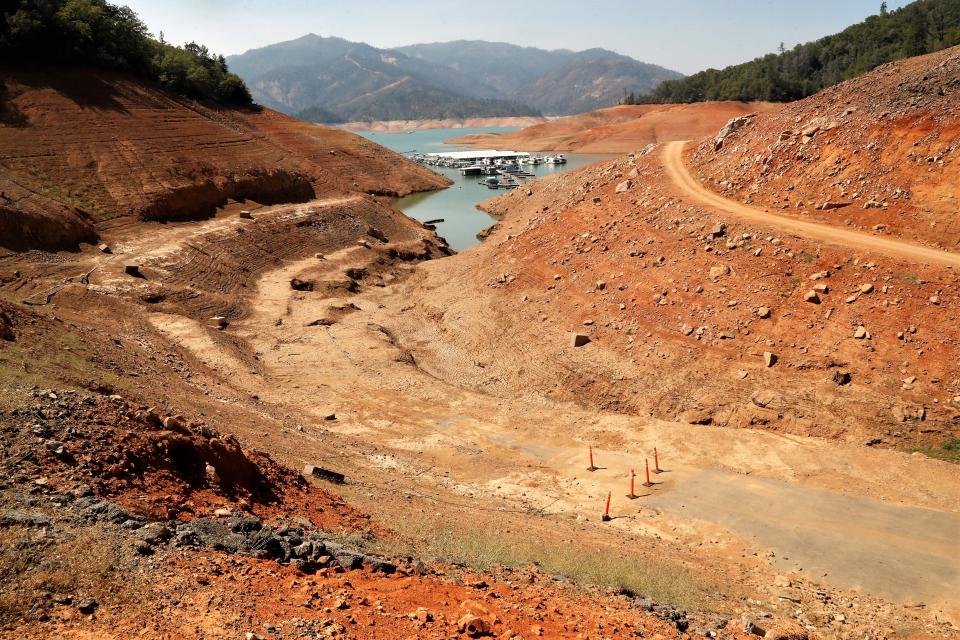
column 97, row 33
column 921, row 27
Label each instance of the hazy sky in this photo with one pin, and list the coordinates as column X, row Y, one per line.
column 685, row 35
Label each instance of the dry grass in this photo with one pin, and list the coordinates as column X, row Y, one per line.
column 84, row 563
column 609, row 567
column 53, row 359
column 595, row 565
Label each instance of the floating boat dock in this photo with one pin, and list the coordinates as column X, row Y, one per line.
column 502, row 168
column 477, row 156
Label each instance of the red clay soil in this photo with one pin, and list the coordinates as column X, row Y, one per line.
column 82, row 150
column 166, row 467
column 877, row 153
column 620, row 129
column 210, row 595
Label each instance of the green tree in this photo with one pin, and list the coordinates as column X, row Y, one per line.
column 920, row 27
column 95, row 32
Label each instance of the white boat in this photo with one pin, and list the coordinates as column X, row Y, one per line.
column 473, row 170
column 557, row 159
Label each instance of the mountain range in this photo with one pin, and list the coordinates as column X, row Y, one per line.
column 329, row 79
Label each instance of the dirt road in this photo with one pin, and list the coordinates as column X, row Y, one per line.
column 843, row 539
column 674, row 165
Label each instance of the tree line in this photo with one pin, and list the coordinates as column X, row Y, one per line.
column 921, row 27
column 100, row 34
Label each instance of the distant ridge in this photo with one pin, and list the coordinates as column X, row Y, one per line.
column 331, row 79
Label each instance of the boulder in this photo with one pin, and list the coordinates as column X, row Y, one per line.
column 473, row 626
column 826, row 206
column 866, row 288
column 718, row 271
column 105, row 248
column 624, row 186
column 697, row 416
column 763, row 312
column 246, row 215
column 769, row 358
column 812, row 297
column 301, row 285
column 763, row 397
column 841, row 378
column 312, row 471
column 730, row 127
column 133, row 270
column 579, row 340
column 6, row 328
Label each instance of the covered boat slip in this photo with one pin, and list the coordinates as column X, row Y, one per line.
column 478, row 156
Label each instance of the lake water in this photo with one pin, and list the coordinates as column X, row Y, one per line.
column 457, row 204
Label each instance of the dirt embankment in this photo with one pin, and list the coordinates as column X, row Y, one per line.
column 620, row 129
column 878, row 154
column 683, row 299
column 682, row 303
column 405, row 126
column 83, row 150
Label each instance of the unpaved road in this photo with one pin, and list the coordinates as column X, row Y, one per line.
column 899, row 552
column 673, row 163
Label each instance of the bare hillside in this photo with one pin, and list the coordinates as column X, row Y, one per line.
column 87, row 150
column 877, row 153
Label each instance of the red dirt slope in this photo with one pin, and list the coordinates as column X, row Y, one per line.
column 84, row 148
column 877, row 153
column 621, row 129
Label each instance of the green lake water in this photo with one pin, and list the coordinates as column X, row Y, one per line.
column 457, row 204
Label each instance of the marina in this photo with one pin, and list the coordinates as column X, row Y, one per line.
column 504, row 169
column 477, row 175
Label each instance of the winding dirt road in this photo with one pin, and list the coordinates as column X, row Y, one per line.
column 673, row 163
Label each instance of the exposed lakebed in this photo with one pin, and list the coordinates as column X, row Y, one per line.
column 457, row 204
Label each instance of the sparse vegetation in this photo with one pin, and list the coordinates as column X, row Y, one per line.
column 596, row 565
column 948, row 450
column 48, row 358
column 100, row 34
column 36, row 570
column 483, row 549
column 920, row 27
